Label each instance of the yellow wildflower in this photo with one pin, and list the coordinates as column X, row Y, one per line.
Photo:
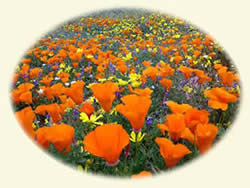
column 136, row 138
column 122, row 82
column 92, row 120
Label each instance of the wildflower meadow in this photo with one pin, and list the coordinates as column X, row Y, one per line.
column 125, row 92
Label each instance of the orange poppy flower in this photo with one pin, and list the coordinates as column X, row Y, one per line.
column 105, row 93
column 212, row 54
column 26, row 117
column 208, row 41
column 61, row 135
column 176, row 125
column 165, row 69
column 24, row 69
column 57, row 89
column 75, row 64
column 47, row 91
column 41, row 109
column 191, row 60
column 204, row 136
column 164, row 50
column 236, row 77
column 171, row 153
column 186, row 71
column 142, row 92
column 219, row 98
column 25, row 87
column 142, row 174
column 151, row 72
column 101, row 68
column 143, row 79
column 163, row 128
column 178, row 108
column 122, row 67
column 22, row 93
column 107, row 141
column 88, row 69
column 146, row 63
column 87, row 108
column 184, row 46
column 197, row 53
column 63, row 76
column 132, row 70
column 15, row 77
column 52, row 109
column 166, row 83
column 46, row 80
column 75, row 92
column 26, row 61
column 130, row 88
column 99, row 75
column 227, row 77
column 54, row 112
column 177, row 59
column 34, row 73
column 135, row 109
column 202, row 77
column 196, row 42
column 67, row 102
column 187, row 134
column 26, row 97
column 218, row 66
column 77, row 74
column 53, row 91
column 193, row 117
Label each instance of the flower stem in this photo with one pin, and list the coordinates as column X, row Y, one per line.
column 136, row 151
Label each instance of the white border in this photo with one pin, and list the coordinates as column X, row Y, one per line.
column 25, row 165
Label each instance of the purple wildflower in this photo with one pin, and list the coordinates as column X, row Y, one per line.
column 49, row 67
column 156, row 113
column 234, row 85
column 183, row 82
column 82, row 59
column 166, row 94
column 112, row 68
column 187, row 96
column 149, row 121
column 75, row 113
column 25, row 75
column 164, row 102
column 118, row 94
column 74, row 141
column 159, row 78
column 81, row 70
column 133, row 53
column 36, row 82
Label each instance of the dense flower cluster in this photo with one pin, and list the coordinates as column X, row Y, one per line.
column 128, row 94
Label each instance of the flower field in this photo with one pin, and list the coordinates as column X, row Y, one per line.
column 126, row 93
